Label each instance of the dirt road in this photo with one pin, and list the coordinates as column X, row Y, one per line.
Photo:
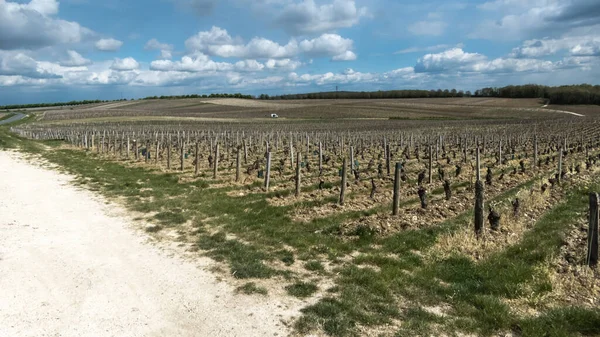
column 72, row 265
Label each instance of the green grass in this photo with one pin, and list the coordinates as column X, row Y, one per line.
column 251, row 288
column 301, row 289
column 315, row 266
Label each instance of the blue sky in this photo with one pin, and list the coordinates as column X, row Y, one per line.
column 83, row 49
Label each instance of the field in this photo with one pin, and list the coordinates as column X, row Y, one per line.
column 362, row 208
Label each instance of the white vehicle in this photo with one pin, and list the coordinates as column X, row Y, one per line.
column 274, row 116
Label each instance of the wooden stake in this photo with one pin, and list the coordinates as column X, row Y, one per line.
column 560, row 159
column 197, row 159
column 238, row 164
column 396, row 204
column 216, row 168
column 181, row 166
column 320, row 156
column 430, row 164
column 387, row 159
column 535, row 151
column 298, row 173
column 343, row 187
column 169, row 153
column 479, row 207
column 268, row 173
column 592, row 242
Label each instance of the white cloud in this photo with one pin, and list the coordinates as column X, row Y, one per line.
column 249, row 65
column 348, row 76
column 237, row 81
column 218, row 42
column 196, row 63
column 586, row 45
column 19, row 64
column 346, row 56
column 457, row 61
column 526, row 19
column 44, row 7
column 154, row 44
column 214, row 37
column 32, row 25
column 512, row 65
column 165, row 48
column 74, row 60
column 108, row 44
column 329, row 45
column 285, row 64
column 126, row 64
column 448, row 60
column 429, row 48
column 165, row 55
column 434, row 28
column 307, row 17
column 590, row 48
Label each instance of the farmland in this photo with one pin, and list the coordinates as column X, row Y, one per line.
column 363, row 208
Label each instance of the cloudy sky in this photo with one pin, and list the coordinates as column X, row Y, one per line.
column 84, row 49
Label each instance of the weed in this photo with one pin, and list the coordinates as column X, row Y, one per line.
column 301, row 289
column 251, row 288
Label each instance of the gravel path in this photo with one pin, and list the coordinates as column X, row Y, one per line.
column 72, row 265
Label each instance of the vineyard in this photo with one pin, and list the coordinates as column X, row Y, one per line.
column 387, row 217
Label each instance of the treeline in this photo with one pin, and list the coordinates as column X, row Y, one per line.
column 373, row 94
column 566, row 94
column 48, row 105
column 236, row 95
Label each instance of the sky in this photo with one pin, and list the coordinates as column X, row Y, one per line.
column 52, row 51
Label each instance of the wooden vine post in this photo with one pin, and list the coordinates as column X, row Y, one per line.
column 352, row 159
column 298, row 173
column 197, row 159
column 343, row 187
column 500, row 152
column 216, row 163
column 238, row 165
column 592, row 241
column 387, row 158
column 268, row 172
column 169, row 154
column 478, row 200
column 535, row 151
column 291, row 155
column 396, row 204
column 560, row 159
column 157, row 151
column 430, row 164
column 320, row 156
column 182, row 149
